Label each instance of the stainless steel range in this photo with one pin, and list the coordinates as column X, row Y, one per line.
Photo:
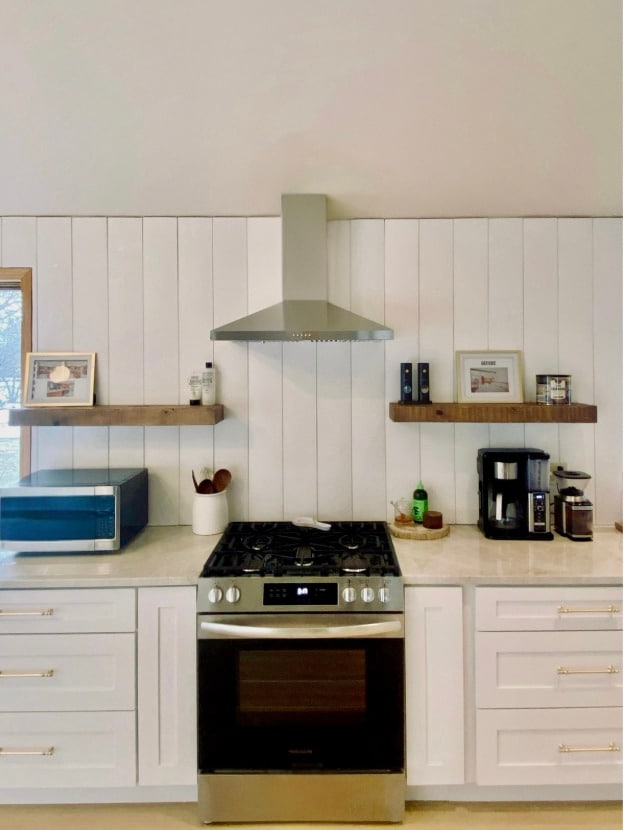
column 301, row 674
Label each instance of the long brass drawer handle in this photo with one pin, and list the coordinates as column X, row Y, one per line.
column 44, row 612
column 44, row 673
column 607, row 670
column 47, row 751
column 611, row 747
column 610, row 609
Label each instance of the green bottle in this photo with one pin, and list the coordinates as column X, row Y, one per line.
column 420, row 503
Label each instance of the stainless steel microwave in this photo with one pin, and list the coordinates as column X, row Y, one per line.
column 72, row 511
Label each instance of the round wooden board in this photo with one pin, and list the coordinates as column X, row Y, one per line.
column 418, row 532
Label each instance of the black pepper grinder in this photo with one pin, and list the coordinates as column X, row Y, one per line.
column 423, row 383
column 406, row 383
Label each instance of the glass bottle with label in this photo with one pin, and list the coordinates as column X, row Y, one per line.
column 420, row 503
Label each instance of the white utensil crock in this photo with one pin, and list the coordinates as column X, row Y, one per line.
column 210, row 513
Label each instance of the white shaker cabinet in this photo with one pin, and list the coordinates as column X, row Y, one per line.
column 549, row 685
column 166, row 654
column 434, row 679
column 67, row 689
column 97, row 694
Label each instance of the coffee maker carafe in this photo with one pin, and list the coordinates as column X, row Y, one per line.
column 514, row 501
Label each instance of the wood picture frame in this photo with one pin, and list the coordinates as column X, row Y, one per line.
column 59, row 379
column 489, row 376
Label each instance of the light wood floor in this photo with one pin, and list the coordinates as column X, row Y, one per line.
column 424, row 816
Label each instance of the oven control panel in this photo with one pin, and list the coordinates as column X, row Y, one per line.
column 353, row 593
column 300, row 593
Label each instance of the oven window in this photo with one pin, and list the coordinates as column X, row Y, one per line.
column 300, row 705
column 320, row 686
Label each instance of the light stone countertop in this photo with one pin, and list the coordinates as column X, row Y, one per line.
column 171, row 555
column 175, row 555
column 465, row 556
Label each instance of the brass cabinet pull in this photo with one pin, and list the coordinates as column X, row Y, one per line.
column 606, row 670
column 47, row 751
column 610, row 747
column 610, row 609
column 44, row 673
column 44, row 612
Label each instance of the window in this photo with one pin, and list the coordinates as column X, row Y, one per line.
column 15, row 341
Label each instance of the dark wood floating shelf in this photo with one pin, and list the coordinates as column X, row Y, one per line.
column 104, row 416
column 494, row 413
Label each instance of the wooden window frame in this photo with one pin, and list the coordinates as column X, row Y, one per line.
column 22, row 278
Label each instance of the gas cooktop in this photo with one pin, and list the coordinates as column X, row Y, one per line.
column 283, row 567
column 275, row 549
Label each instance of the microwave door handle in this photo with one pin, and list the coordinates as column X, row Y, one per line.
column 270, row 632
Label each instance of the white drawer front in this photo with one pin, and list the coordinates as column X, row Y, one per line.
column 67, row 750
column 549, row 669
column 67, row 610
column 548, row 609
column 67, row 672
column 549, row 746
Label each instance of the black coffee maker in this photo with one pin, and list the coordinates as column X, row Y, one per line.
column 514, row 499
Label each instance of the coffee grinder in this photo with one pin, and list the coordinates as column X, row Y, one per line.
column 574, row 512
column 514, row 499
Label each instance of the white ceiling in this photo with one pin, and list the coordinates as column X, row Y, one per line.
column 418, row 108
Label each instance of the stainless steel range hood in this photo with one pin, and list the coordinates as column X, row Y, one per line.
column 304, row 313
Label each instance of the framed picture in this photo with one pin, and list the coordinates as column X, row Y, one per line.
column 489, row 377
column 59, row 379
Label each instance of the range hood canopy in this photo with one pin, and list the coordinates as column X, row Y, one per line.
column 304, row 313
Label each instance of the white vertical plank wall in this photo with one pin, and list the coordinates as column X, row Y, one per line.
column 334, row 404
column 306, row 428
column 334, row 429
column 90, row 326
column 53, row 308
column 505, row 300
column 300, row 470
column 541, row 323
column 160, row 362
column 125, row 346
column 470, row 329
column 369, row 406
column 265, row 490
column 607, row 368
column 403, row 442
column 435, row 332
column 195, row 308
column 230, row 290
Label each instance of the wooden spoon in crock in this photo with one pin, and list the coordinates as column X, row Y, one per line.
column 221, row 479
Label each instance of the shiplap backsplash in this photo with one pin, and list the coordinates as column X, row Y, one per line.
column 307, row 429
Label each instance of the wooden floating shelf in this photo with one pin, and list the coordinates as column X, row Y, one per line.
column 494, row 413
column 103, row 416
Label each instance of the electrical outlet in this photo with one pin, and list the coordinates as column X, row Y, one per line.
column 554, row 465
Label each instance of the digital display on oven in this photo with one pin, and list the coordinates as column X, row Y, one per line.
column 301, row 593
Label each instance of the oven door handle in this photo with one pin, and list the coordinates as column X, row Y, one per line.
column 387, row 628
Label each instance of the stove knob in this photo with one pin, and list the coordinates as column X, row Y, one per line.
column 384, row 594
column 368, row 594
column 215, row 595
column 349, row 594
column 232, row 594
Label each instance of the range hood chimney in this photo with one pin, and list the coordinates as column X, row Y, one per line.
column 304, row 313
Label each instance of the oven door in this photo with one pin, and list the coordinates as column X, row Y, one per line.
column 300, row 692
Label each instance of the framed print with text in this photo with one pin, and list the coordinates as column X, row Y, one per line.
column 489, row 377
